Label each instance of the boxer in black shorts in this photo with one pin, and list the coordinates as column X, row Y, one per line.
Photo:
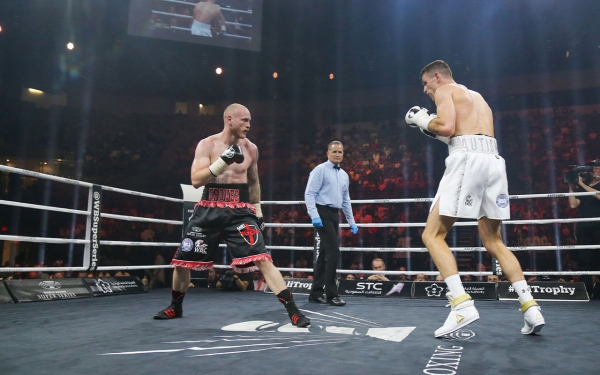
column 225, row 164
column 223, row 214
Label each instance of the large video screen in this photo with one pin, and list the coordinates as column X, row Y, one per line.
column 224, row 23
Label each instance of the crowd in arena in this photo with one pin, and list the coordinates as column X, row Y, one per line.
column 384, row 159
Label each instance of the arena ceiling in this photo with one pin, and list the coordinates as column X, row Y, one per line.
column 364, row 43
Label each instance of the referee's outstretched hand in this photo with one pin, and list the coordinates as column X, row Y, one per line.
column 316, row 222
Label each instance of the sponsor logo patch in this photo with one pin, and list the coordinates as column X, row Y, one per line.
column 502, row 201
column 186, row 244
column 200, row 247
column 469, row 201
column 249, row 233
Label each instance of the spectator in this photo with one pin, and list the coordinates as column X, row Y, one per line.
column 378, row 265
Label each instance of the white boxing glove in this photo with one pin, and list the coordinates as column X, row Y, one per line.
column 435, row 136
column 419, row 116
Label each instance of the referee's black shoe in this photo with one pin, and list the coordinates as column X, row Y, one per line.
column 317, row 299
column 336, row 301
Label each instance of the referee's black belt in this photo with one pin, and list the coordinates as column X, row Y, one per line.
column 328, row 208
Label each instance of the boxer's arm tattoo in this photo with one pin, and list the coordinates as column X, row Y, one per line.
column 253, row 183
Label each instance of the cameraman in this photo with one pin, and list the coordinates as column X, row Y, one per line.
column 587, row 233
column 231, row 281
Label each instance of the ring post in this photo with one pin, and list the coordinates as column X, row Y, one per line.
column 191, row 196
column 92, row 235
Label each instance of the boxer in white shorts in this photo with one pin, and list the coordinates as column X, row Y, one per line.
column 474, row 183
column 474, row 186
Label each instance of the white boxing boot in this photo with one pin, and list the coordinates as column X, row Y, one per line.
column 534, row 321
column 463, row 313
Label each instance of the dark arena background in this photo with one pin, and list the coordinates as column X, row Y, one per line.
column 102, row 105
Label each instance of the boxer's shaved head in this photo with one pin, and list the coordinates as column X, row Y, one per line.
column 232, row 110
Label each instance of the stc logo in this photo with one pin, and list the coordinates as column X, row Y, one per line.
column 368, row 286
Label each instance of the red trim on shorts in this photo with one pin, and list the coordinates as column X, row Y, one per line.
column 238, row 264
column 232, row 205
column 196, row 266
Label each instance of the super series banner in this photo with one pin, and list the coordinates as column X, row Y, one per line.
column 47, row 290
column 546, row 291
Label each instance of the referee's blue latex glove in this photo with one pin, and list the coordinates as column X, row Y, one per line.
column 353, row 229
column 316, row 222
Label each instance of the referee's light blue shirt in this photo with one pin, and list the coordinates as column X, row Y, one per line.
column 328, row 186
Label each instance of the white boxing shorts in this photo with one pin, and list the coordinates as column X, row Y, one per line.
column 474, row 184
column 202, row 29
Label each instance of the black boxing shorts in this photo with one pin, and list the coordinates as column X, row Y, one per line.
column 223, row 213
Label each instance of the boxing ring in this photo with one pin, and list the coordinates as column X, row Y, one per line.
column 250, row 332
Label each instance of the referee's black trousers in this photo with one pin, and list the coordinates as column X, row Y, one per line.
column 327, row 253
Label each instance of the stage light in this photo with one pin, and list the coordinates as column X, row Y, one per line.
column 70, row 45
column 331, row 75
column 219, row 70
column 275, row 75
column 200, row 105
column 567, row 54
column 0, row 28
column 34, row 91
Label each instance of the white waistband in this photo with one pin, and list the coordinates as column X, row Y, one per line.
column 473, row 143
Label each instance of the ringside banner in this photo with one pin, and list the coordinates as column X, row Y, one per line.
column 4, row 295
column 108, row 286
column 296, row 286
column 372, row 288
column 437, row 290
column 546, row 291
column 34, row 290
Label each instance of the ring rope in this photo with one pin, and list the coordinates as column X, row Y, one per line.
column 41, row 207
column 366, row 272
column 144, row 219
column 308, row 248
column 45, row 176
column 413, row 200
column 84, row 184
column 43, row 239
column 424, row 249
column 458, row 223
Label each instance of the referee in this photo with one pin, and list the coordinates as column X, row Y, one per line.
column 326, row 193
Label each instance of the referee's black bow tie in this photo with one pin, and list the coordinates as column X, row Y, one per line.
column 336, row 166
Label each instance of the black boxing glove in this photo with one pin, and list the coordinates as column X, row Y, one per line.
column 233, row 154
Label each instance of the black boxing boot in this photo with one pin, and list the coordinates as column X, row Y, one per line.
column 175, row 309
column 298, row 319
